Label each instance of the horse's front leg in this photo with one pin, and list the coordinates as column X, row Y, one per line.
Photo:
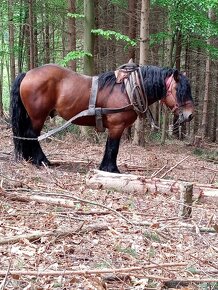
column 109, row 161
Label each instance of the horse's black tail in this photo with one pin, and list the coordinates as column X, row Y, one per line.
column 20, row 120
column 22, row 129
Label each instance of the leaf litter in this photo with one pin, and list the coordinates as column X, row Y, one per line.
column 87, row 246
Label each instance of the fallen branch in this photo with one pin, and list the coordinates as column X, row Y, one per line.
column 59, row 233
column 85, row 272
column 3, row 283
column 167, row 280
column 57, row 201
column 158, row 171
column 69, row 272
column 211, row 169
column 171, row 168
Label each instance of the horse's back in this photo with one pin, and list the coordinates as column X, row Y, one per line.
column 52, row 87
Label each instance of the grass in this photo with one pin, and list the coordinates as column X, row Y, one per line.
column 207, row 154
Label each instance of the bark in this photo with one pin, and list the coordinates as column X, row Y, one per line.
column 23, row 20
column 58, row 232
column 47, row 37
column 71, row 32
column 131, row 51
column 132, row 27
column 31, row 35
column 89, row 37
column 178, row 49
column 197, row 90
column 206, row 99
column 88, row 47
column 139, row 133
column 11, row 39
column 131, row 183
column 164, row 125
column 206, row 92
column 1, row 67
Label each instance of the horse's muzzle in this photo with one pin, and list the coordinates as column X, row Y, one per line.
column 185, row 117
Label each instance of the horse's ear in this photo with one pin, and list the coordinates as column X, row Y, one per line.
column 130, row 61
column 176, row 75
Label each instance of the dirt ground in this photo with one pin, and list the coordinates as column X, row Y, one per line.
column 104, row 239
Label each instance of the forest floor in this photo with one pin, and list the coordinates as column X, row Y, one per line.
column 105, row 239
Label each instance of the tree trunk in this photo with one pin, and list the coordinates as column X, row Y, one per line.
column 178, row 49
column 1, row 67
column 139, row 133
column 21, row 44
column 71, row 33
column 196, row 119
column 132, row 27
column 88, row 36
column 47, row 36
column 89, row 22
column 206, row 92
column 31, row 35
column 11, row 39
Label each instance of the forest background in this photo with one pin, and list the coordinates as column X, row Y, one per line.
column 91, row 37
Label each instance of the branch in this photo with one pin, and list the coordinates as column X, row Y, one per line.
column 58, row 201
column 59, row 233
column 171, row 168
column 85, row 272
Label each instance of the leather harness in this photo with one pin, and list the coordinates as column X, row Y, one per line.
column 130, row 74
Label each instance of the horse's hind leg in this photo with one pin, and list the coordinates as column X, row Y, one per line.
column 32, row 150
column 109, row 162
column 25, row 128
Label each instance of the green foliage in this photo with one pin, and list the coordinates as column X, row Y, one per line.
column 75, row 15
column 155, row 136
column 152, row 236
column 130, row 251
column 206, row 286
column 191, row 18
column 103, row 264
column 73, row 55
column 209, row 155
column 158, row 38
column 120, row 3
column 109, row 34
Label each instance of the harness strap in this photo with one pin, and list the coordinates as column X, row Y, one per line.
column 93, row 94
column 136, row 93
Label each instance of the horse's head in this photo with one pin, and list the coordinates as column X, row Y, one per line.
column 178, row 96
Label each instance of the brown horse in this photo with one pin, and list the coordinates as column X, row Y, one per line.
column 50, row 89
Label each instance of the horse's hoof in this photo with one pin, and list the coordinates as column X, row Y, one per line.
column 44, row 162
column 109, row 169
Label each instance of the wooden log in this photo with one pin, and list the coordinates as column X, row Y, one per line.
column 135, row 183
column 186, row 198
column 131, row 183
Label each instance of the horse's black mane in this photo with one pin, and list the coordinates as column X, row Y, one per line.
column 154, row 82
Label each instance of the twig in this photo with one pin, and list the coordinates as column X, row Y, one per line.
column 59, row 201
column 171, row 168
column 69, row 272
column 101, row 271
column 96, row 204
column 36, row 235
column 120, row 270
column 2, row 286
column 157, row 171
column 208, row 168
